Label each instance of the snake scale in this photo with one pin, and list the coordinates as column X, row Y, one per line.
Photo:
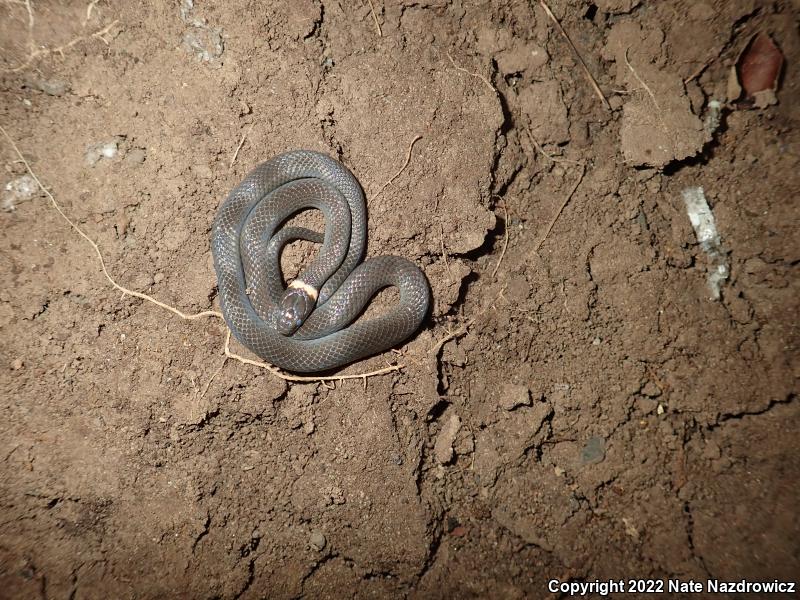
column 312, row 324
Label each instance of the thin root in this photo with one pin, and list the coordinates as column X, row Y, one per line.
column 640, row 80
column 465, row 326
column 444, row 251
column 505, row 241
column 451, row 335
column 41, row 52
column 112, row 281
column 375, row 18
column 239, row 147
column 278, row 373
column 555, row 159
column 89, row 9
column 589, row 75
column 189, row 317
column 211, row 379
column 403, row 168
column 478, row 75
column 561, row 208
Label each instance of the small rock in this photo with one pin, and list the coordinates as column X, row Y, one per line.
column 594, row 451
column 158, row 278
column 318, row 541
column 136, row 156
column 51, row 87
column 443, row 447
column 615, row 102
column 204, row 42
column 102, row 150
column 18, row 190
column 513, row 395
column 17, row 364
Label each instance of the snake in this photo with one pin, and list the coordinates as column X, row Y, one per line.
column 312, row 324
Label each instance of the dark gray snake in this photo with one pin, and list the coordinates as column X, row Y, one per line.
column 291, row 327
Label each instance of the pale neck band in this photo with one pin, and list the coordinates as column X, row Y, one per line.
column 297, row 284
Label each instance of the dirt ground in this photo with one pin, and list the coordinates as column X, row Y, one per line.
column 577, row 406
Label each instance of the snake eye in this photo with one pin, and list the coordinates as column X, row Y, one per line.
column 294, row 309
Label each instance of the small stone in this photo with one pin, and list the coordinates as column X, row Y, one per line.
column 102, row 150
column 158, row 278
column 19, row 190
column 594, row 451
column 514, row 395
column 136, row 156
column 318, row 541
column 51, row 87
column 660, row 409
column 17, row 364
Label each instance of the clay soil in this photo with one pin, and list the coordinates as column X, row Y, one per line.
column 576, row 406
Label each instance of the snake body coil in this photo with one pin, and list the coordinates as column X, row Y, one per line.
column 309, row 326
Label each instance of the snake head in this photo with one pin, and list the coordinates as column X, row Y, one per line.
column 294, row 309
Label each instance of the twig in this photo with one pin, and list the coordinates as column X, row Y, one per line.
column 505, row 241
column 589, row 75
column 275, row 371
column 699, row 70
column 561, row 208
column 478, row 75
column 375, row 18
column 239, row 147
column 403, row 168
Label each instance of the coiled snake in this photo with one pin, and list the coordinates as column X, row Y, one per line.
column 308, row 326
